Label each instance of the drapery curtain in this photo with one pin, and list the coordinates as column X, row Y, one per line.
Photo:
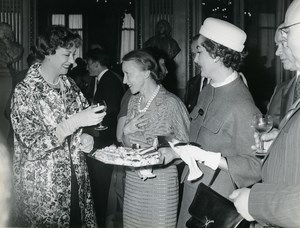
column 127, row 36
column 267, row 45
column 58, row 19
column 74, row 23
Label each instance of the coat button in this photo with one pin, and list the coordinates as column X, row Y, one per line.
column 201, row 112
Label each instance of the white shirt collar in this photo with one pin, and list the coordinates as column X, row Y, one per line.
column 98, row 80
column 101, row 74
column 229, row 79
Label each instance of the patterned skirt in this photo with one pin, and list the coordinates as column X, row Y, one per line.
column 151, row 203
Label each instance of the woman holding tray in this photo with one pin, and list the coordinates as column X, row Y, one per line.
column 151, row 194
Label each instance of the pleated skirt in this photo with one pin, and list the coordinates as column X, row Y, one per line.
column 151, row 203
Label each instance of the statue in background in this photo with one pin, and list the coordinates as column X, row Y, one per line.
column 163, row 40
column 10, row 50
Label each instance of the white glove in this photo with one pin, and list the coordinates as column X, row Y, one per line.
column 190, row 154
column 86, row 143
column 195, row 172
column 87, row 117
column 210, row 159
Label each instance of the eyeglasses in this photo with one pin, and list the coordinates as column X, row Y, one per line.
column 284, row 29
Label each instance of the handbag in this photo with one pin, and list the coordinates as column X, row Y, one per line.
column 211, row 210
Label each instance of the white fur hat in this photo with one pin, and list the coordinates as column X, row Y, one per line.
column 224, row 33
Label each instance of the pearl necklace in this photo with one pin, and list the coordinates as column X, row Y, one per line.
column 149, row 101
column 52, row 84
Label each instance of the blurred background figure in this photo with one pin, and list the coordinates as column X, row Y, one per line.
column 163, row 40
column 11, row 51
column 80, row 75
column 195, row 85
column 104, row 85
column 5, row 184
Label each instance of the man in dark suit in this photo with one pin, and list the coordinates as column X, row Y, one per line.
column 196, row 83
column 283, row 96
column 275, row 201
column 105, row 85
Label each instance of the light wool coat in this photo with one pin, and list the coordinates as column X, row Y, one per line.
column 221, row 122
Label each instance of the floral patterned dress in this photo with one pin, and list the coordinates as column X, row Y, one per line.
column 41, row 165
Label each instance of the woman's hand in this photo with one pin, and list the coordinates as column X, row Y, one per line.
column 90, row 116
column 240, row 198
column 168, row 155
column 86, row 117
column 136, row 124
column 188, row 152
column 86, row 143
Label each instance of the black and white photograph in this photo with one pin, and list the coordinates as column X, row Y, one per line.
column 150, row 113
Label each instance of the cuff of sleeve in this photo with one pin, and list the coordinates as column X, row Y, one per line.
column 60, row 134
column 213, row 160
column 63, row 131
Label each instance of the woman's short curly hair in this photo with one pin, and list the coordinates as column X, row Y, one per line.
column 230, row 58
column 53, row 37
column 146, row 62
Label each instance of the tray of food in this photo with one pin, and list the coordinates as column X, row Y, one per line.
column 127, row 156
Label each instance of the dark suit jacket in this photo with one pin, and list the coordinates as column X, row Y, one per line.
column 192, row 92
column 110, row 88
column 281, row 100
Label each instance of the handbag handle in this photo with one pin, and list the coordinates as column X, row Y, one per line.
column 214, row 177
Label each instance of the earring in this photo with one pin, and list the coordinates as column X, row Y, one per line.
column 215, row 60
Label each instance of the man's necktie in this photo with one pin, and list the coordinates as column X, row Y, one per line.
column 297, row 89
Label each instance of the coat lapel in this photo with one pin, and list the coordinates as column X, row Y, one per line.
column 293, row 109
column 288, row 97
